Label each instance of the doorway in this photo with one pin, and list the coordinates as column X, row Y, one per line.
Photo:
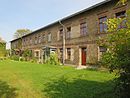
column 83, row 56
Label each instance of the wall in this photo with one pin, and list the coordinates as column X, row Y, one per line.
column 76, row 42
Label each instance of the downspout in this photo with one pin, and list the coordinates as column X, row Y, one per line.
column 63, row 40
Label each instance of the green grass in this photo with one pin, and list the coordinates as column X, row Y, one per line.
column 27, row 80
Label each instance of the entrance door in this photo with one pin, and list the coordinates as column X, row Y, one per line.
column 83, row 56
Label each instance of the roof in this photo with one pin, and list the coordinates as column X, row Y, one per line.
column 68, row 17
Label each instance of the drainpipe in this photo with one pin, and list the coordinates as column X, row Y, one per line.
column 63, row 40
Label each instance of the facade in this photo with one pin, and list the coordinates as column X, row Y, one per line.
column 2, row 48
column 73, row 37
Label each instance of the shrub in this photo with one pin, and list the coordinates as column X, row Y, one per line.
column 27, row 54
column 53, row 59
column 117, row 58
column 33, row 60
column 15, row 57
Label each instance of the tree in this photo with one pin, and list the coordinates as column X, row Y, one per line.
column 117, row 57
column 122, row 2
column 21, row 32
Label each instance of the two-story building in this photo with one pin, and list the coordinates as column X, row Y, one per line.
column 75, row 35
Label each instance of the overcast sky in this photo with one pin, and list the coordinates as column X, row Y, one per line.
column 34, row 14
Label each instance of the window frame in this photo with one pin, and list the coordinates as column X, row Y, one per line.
column 102, row 25
column 83, row 28
column 68, row 33
column 61, row 34
column 122, row 15
column 68, row 53
column 49, row 37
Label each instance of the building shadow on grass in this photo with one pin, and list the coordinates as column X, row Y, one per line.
column 6, row 91
column 79, row 88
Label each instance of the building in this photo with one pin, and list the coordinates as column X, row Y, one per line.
column 73, row 37
column 2, row 48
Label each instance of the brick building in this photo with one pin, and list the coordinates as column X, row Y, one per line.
column 73, row 37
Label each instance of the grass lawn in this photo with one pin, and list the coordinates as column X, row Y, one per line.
column 27, row 80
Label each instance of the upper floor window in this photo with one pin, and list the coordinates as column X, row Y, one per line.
column 35, row 40
column 102, row 49
column 83, row 28
column 121, row 15
column 102, row 24
column 24, row 42
column 49, row 37
column 39, row 39
column 30, row 40
column 61, row 34
column 68, row 33
column 14, row 46
column 43, row 37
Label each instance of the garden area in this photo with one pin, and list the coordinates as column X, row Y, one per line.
column 30, row 80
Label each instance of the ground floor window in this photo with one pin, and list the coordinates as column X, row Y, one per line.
column 69, row 53
column 61, row 55
column 36, row 53
column 102, row 50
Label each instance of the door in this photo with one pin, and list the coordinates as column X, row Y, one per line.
column 83, row 56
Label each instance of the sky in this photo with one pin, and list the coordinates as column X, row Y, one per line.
column 34, row 14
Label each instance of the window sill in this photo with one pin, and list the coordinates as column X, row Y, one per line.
column 83, row 35
column 68, row 39
column 98, row 33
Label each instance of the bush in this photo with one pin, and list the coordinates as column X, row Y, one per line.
column 21, row 59
column 15, row 57
column 117, row 58
column 27, row 54
column 33, row 60
column 53, row 59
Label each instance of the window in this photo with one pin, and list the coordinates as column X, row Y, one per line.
column 61, row 54
column 121, row 15
column 14, row 45
column 68, row 33
column 49, row 37
column 24, row 42
column 102, row 25
column 39, row 39
column 61, row 34
column 83, row 29
column 37, row 54
column 30, row 40
column 43, row 37
column 102, row 49
column 68, row 53
column 35, row 40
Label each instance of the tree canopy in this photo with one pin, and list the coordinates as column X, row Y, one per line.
column 117, row 56
column 21, row 32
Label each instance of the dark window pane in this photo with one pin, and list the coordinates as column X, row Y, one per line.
column 102, row 25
